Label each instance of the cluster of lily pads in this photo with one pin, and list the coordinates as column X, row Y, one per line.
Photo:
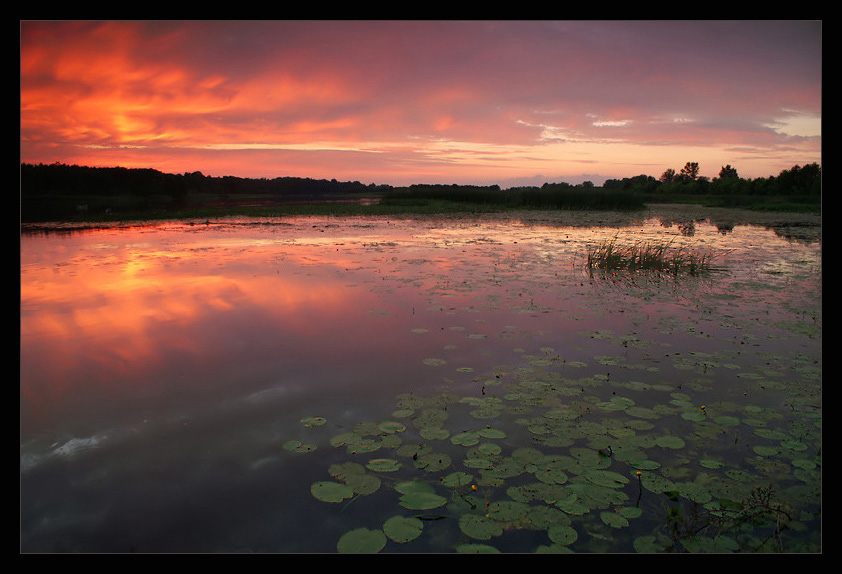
column 574, row 462
column 560, row 456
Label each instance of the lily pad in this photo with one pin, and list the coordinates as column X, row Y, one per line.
column 383, row 465
column 313, row 421
column 479, row 527
column 607, row 478
column 434, row 433
column 328, row 491
column 457, row 479
column 562, row 534
column 361, row 540
column 507, row 510
column 491, row 433
column 417, row 500
column 392, row 427
column 403, row 529
column 673, row 442
column 363, row 483
column 613, row 519
column 433, row 462
column 727, row 421
column 476, row 549
column 649, row 544
column 551, row 469
column 296, row 445
column 465, row 438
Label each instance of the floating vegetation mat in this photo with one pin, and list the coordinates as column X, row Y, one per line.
column 546, row 463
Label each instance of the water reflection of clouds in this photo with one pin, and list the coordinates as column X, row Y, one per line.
column 124, row 323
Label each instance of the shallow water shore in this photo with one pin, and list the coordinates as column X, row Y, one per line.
column 794, row 225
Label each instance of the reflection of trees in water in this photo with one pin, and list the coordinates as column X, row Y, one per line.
column 801, row 231
column 686, row 227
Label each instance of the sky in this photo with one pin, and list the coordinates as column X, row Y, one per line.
column 506, row 102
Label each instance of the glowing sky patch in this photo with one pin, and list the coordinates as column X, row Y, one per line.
column 399, row 102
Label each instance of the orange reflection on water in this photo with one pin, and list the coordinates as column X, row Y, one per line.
column 124, row 308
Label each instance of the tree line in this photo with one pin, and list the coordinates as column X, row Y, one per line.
column 803, row 181
column 59, row 179
column 55, row 188
column 71, row 180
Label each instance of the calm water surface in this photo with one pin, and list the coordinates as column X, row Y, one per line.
column 185, row 387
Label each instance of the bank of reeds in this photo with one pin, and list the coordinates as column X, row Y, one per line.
column 648, row 256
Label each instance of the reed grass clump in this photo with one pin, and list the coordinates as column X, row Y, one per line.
column 648, row 256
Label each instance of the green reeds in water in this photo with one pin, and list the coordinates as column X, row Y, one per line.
column 647, row 256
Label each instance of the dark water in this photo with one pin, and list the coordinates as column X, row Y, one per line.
column 170, row 375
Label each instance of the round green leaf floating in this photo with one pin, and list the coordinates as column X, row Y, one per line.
column 508, row 510
column 328, row 491
column 630, row 512
column 383, row 465
column 403, row 529
column 363, row 483
column 551, row 470
column 465, row 438
column 648, row 544
column 669, row 442
column 613, row 519
column 491, row 433
column 421, row 500
column 693, row 491
column 695, row 416
column 361, row 540
column 390, row 427
column 479, row 463
column 794, row 445
column 313, row 421
column 296, row 445
column 489, row 448
column 727, row 421
column 409, row 486
column 644, row 464
column 433, row 462
column 476, row 549
column 479, row 527
column 656, row 483
column 434, row 433
column 766, row 450
column 457, row 479
column 341, row 471
column 607, row 478
column 562, row 534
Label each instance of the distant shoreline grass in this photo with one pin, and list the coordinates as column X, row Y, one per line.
column 393, row 204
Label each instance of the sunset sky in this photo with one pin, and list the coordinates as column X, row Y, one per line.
column 398, row 102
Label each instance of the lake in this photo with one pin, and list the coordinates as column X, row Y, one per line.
column 425, row 385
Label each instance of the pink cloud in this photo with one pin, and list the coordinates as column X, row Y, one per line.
column 164, row 94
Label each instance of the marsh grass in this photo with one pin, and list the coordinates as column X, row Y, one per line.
column 648, row 256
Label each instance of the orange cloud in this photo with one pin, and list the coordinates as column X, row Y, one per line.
column 184, row 96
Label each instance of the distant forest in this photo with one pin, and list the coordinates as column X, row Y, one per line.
column 57, row 190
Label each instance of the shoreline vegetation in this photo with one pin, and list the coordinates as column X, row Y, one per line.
column 72, row 195
column 660, row 257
